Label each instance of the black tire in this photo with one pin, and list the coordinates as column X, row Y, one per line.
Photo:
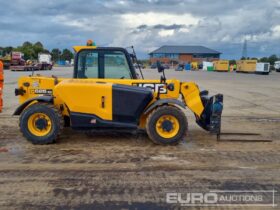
column 56, row 123
column 161, row 111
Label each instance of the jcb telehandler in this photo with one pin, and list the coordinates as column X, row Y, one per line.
column 107, row 93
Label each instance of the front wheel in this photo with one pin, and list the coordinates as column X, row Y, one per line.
column 41, row 123
column 166, row 125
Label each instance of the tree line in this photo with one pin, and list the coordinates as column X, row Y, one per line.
column 31, row 51
column 271, row 59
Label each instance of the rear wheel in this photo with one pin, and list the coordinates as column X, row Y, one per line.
column 41, row 123
column 166, row 125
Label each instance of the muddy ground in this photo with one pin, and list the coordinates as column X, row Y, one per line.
column 127, row 171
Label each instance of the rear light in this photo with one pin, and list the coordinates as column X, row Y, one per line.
column 19, row 91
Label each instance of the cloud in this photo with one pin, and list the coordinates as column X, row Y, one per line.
column 146, row 24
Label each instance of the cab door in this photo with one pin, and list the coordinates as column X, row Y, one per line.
column 104, row 63
column 88, row 65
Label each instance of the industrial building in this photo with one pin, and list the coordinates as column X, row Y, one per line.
column 183, row 54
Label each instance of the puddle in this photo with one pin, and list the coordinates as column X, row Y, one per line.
column 15, row 150
column 244, row 167
column 163, row 157
column 264, row 119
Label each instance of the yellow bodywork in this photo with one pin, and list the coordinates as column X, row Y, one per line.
column 246, row 65
column 87, row 95
column 78, row 48
column 191, row 95
column 221, row 65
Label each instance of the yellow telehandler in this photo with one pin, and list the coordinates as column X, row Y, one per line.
column 106, row 93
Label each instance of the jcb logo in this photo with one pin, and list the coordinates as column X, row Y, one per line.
column 41, row 91
column 153, row 86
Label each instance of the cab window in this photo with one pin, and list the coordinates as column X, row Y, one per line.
column 116, row 66
column 88, row 65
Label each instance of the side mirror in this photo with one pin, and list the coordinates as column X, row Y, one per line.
column 132, row 57
column 160, row 67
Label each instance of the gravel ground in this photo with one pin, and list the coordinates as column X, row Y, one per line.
column 127, row 171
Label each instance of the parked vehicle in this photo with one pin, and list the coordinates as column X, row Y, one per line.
column 6, row 60
column 19, row 64
column 154, row 66
column 137, row 65
column 262, row 68
column 45, row 61
column 47, row 104
column 277, row 66
column 166, row 66
column 180, row 67
column 17, row 59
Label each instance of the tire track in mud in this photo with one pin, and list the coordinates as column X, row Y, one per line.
column 121, row 189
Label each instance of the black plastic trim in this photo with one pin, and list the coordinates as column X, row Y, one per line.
column 83, row 121
column 129, row 102
column 163, row 102
column 48, row 99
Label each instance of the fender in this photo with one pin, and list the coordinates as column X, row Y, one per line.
column 48, row 99
column 162, row 102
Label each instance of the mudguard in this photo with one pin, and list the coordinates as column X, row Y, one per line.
column 48, row 99
column 164, row 101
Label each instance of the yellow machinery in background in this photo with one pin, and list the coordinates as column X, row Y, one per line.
column 6, row 60
column 106, row 93
column 194, row 65
column 221, row 65
column 246, row 66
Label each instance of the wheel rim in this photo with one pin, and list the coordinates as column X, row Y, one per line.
column 167, row 126
column 39, row 124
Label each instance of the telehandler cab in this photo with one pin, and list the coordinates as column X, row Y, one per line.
column 106, row 93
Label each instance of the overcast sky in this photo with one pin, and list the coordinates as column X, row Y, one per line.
column 147, row 24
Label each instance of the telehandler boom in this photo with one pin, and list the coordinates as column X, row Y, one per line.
column 106, row 93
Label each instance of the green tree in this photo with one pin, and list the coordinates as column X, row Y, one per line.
column 27, row 50
column 67, row 55
column 39, row 45
column 56, row 53
column 263, row 60
column 232, row 62
column 38, row 48
column 272, row 59
column 27, row 44
column 46, row 51
column 7, row 50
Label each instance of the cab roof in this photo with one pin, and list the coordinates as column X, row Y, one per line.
column 79, row 48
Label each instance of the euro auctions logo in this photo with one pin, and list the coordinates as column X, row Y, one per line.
column 223, row 198
column 192, row 198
